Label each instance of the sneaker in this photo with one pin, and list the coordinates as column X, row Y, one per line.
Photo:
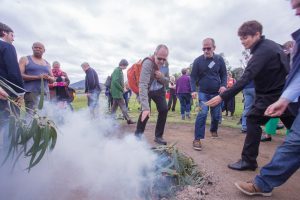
column 214, row 134
column 197, row 145
column 160, row 140
column 243, row 131
column 250, row 189
column 182, row 117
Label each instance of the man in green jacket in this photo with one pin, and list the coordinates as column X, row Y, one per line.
column 117, row 90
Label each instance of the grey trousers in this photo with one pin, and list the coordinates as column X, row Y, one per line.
column 121, row 104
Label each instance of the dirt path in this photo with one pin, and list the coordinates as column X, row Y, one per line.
column 217, row 153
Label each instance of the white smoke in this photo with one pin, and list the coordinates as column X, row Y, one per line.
column 93, row 159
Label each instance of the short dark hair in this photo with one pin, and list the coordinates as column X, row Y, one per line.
column 4, row 28
column 183, row 71
column 250, row 28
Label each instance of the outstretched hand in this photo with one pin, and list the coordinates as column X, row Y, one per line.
column 277, row 108
column 3, row 94
column 214, row 101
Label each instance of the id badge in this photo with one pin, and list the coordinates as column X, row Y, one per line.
column 211, row 64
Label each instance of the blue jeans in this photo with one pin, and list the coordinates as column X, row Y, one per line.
column 93, row 103
column 249, row 96
column 202, row 115
column 93, row 100
column 185, row 103
column 284, row 163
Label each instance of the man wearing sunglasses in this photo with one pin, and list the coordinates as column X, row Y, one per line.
column 209, row 73
column 152, row 84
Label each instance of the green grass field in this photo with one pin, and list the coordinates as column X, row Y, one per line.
column 173, row 117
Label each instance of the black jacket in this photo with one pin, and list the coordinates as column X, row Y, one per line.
column 268, row 67
column 9, row 67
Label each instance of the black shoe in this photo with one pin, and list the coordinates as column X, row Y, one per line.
column 266, row 139
column 130, row 121
column 242, row 165
column 159, row 140
column 279, row 126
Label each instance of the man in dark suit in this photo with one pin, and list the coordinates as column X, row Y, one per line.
column 10, row 74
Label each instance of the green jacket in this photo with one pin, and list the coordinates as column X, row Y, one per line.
column 117, row 84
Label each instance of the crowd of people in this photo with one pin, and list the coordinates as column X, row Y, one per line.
column 266, row 98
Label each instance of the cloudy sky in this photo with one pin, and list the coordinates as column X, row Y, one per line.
column 102, row 32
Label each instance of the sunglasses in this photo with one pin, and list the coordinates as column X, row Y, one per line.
column 161, row 59
column 206, row 49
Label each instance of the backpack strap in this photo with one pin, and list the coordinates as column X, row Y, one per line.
column 152, row 59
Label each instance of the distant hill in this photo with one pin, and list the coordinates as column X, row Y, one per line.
column 78, row 85
column 81, row 84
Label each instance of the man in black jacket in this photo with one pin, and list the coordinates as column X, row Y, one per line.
column 92, row 88
column 9, row 71
column 268, row 67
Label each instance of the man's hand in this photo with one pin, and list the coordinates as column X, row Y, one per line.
column 194, row 95
column 20, row 101
column 214, row 101
column 145, row 113
column 88, row 94
column 277, row 108
column 158, row 74
column 222, row 89
column 3, row 94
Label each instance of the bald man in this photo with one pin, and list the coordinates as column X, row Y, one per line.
column 33, row 68
column 153, row 81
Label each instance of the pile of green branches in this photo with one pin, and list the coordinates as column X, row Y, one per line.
column 30, row 134
column 175, row 170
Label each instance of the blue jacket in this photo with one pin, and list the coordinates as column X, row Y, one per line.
column 9, row 67
column 294, row 107
column 91, row 81
column 209, row 73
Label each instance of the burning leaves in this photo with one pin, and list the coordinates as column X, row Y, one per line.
column 174, row 171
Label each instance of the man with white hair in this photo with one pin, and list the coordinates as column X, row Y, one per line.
column 152, row 86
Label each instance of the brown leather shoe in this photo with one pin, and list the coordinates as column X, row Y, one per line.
column 197, row 145
column 250, row 189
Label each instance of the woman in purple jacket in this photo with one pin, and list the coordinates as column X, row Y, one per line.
column 183, row 91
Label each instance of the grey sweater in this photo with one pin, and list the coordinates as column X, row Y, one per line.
column 146, row 77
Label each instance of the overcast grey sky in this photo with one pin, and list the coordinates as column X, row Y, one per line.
column 102, row 32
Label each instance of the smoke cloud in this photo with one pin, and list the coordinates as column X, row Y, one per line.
column 93, row 159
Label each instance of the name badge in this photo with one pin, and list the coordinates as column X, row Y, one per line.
column 211, row 64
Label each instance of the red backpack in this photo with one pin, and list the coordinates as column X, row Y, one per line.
column 133, row 75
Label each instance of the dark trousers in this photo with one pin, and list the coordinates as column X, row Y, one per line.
column 159, row 99
column 229, row 105
column 172, row 101
column 256, row 118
